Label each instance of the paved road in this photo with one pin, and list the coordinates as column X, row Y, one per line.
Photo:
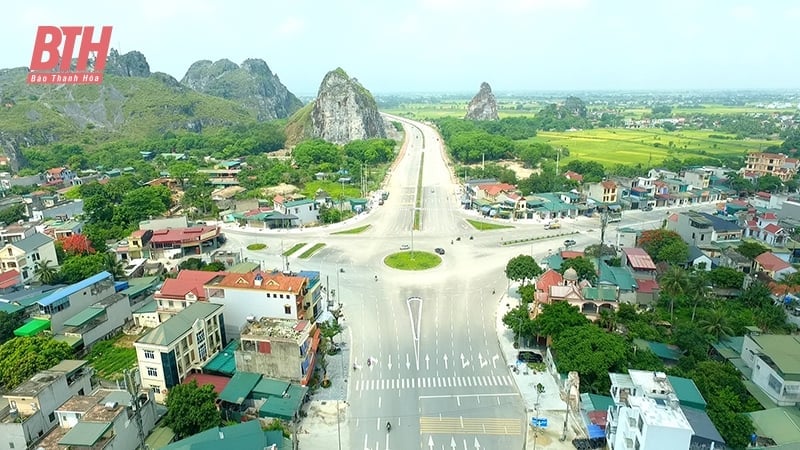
column 438, row 375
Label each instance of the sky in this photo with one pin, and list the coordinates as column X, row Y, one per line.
column 441, row 46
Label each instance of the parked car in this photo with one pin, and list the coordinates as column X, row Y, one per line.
column 529, row 356
column 404, row 247
column 647, row 208
column 569, row 243
column 439, row 251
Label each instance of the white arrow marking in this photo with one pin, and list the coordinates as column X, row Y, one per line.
column 477, row 444
column 427, row 362
column 465, row 444
column 464, row 362
column 390, row 362
column 445, row 361
column 452, row 442
column 484, row 362
column 365, row 443
column 494, row 360
column 408, row 362
column 430, row 442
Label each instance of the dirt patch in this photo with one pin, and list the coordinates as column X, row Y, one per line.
column 126, row 341
column 320, row 427
column 281, row 189
column 522, row 172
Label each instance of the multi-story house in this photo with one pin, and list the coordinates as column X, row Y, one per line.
column 12, row 233
column 179, row 242
column 639, row 262
column 178, row 293
column 106, row 419
column 59, row 229
column 773, row 266
column 775, row 164
column 180, row 346
column 773, row 361
column 65, row 303
column 137, row 246
column 661, row 174
column 23, row 255
column 306, row 210
column 603, row 191
column 703, row 230
column 697, row 178
column 258, row 294
column 591, row 301
column 100, row 320
column 30, row 408
column 490, row 191
column 59, row 175
column 649, row 413
column 765, row 227
column 278, row 348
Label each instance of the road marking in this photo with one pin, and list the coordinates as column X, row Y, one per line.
column 379, row 402
column 470, row 425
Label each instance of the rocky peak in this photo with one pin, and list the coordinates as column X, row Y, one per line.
column 131, row 64
column 251, row 84
column 483, row 106
column 345, row 111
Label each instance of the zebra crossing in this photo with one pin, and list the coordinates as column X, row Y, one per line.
column 433, row 382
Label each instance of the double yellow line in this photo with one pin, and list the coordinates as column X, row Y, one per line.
column 469, row 425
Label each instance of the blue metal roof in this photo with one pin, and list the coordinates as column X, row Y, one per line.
column 73, row 288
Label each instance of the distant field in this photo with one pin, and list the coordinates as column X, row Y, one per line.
column 611, row 146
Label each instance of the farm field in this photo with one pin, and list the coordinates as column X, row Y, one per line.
column 111, row 357
column 438, row 110
column 610, row 146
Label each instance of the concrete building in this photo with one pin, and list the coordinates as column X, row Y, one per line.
column 258, row 294
column 775, row 364
column 603, row 192
column 106, row 419
column 703, row 229
column 180, row 346
column 775, row 164
column 646, row 414
column 773, row 266
column 180, row 242
column 306, row 210
column 163, row 223
column 28, row 411
column 15, row 232
column 99, row 321
column 279, row 348
column 65, row 303
column 23, row 255
column 178, row 293
column 696, row 178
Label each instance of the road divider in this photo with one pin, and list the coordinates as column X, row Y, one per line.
column 538, row 238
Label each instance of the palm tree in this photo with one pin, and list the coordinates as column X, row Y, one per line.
column 113, row 266
column 674, row 282
column 608, row 319
column 699, row 290
column 716, row 324
column 45, row 272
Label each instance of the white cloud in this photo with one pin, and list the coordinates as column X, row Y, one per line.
column 291, row 26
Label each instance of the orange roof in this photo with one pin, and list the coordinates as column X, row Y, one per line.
column 496, row 188
column 278, row 199
column 203, row 379
column 569, row 254
column 138, row 233
column 270, row 281
column 9, row 279
column 570, row 175
column 647, row 286
column 772, row 228
column 772, row 263
column 769, row 216
column 547, row 279
column 609, row 185
column 180, row 234
column 186, row 282
column 55, row 171
column 638, row 259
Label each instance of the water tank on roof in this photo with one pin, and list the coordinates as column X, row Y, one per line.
column 111, row 405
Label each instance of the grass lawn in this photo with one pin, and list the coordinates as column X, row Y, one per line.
column 415, row 260
column 110, row 357
column 485, row 226
column 294, row 248
column 310, row 252
column 257, row 246
column 354, row 230
column 610, row 146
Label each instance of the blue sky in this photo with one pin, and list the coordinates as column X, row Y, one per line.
column 450, row 45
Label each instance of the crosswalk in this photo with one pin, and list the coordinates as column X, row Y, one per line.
column 432, row 382
column 468, row 425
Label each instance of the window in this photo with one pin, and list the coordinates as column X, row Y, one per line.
column 10, row 445
column 287, row 309
column 156, row 389
column 149, row 354
column 152, row 372
column 52, row 416
column 774, row 383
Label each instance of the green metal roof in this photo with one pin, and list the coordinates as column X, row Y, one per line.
column 663, row 351
column 85, row 434
column 687, row 392
column 554, row 261
column 84, row 317
column 782, row 425
column 293, row 203
column 159, row 438
column 73, row 341
column 618, row 276
column 10, row 308
column 783, row 351
column 247, row 435
column 600, row 293
column 240, row 387
column 179, row 324
column 148, row 307
column 138, row 285
column 761, row 397
column 223, row 363
column 271, row 387
column 600, row 402
column 33, row 327
column 243, row 267
column 286, row 406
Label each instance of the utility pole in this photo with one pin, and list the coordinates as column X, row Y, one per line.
column 603, row 225
column 130, row 386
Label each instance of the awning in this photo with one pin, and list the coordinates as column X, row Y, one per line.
column 32, row 328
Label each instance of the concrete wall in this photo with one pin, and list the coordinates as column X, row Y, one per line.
column 126, row 432
column 118, row 314
column 241, row 303
column 761, row 376
column 163, row 223
column 282, row 362
column 80, row 301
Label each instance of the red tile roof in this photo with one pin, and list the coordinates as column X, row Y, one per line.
column 181, row 235
column 270, row 281
column 138, row 233
column 609, row 185
column 547, row 279
column 496, row 188
column 278, row 199
column 9, row 279
column 772, row 228
column 187, row 281
column 55, row 171
column 569, row 254
column 638, row 259
column 771, row 263
column 769, row 216
column 570, row 175
column 203, row 379
column 647, row 286
column 763, row 195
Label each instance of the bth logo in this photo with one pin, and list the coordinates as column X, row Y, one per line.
column 53, row 52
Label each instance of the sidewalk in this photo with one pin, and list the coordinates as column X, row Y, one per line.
column 550, row 404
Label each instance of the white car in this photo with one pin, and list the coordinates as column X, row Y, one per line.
column 405, row 247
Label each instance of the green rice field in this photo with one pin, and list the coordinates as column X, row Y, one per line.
column 111, row 357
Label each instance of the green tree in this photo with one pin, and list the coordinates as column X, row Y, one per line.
column 769, row 183
column 317, row 152
column 330, row 330
column 726, row 278
column 674, row 282
column 715, row 324
column 583, row 266
column 654, row 241
column 10, row 322
column 751, row 249
column 522, row 268
column 113, row 266
column 592, row 353
column 519, row 321
column 191, row 409
column 80, row 267
column 673, row 253
column 556, row 318
column 45, row 272
column 22, row 357
column 12, row 214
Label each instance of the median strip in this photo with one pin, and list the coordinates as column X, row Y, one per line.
column 310, row 252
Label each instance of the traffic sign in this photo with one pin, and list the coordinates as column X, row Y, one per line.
column 540, row 422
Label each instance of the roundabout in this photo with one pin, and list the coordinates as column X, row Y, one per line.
column 412, row 260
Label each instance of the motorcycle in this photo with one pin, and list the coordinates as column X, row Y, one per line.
column 341, row 270
column 388, row 427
